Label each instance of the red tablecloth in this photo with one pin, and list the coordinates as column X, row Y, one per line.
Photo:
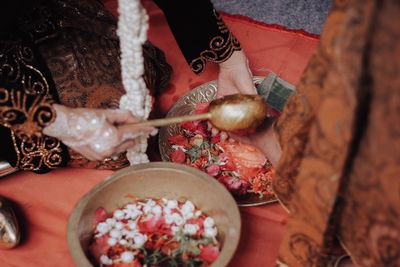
column 46, row 201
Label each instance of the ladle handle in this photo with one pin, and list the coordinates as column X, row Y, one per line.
column 168, row 121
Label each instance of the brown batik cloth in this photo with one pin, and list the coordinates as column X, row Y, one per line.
column 339, row 174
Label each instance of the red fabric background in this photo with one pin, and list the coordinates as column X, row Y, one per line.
column 46, row 201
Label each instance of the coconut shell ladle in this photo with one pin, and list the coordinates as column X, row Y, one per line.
column 229, row 113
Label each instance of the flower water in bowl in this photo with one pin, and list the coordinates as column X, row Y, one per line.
column 204, row 211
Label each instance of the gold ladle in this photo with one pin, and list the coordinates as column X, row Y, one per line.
column 229, row 113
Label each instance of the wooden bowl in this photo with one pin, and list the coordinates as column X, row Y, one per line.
column 156, row 180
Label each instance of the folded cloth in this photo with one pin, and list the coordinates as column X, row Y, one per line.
column 275, row 91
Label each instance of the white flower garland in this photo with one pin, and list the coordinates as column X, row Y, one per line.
column 132, row 32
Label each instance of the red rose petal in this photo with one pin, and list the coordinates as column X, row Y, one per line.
column 100, row 215
column 201, row 107
column 178, row 156
column 209, row 253
column 99, row 246
column 179, row 140
column 212, row 170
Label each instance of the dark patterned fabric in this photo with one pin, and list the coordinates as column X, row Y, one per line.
column 79, row 50
column 26, row 97
column 340, row 137
column 200, row 32
column 78, row 43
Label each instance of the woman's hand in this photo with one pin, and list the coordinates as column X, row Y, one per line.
column 235, row 76
column 93, row 132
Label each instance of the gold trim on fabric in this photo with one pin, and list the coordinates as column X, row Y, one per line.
column 77, row 160
column 28, row 110
column 220, row 49
column 38, row 152
column 36, row 115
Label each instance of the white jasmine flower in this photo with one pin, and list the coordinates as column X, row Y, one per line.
column 103, row 228
column 132, row 214
column 190, row 229
column 111, row 221
column 210, row 232
column 119, row 215
column 172, row 204
column 139, row 240
column 105, row 260
column 151, row 203
column 127, row 256
column 116, row 234
column 146, row 209
column 157, row 210
column 132, row 207
column 112, row 241
column 174, row 230
column 178, row 220
column 188, row 215
column 187, row 207
column 131, row 234
column 124, row 232
column 169, row 219
column 123, row 242
column 119, row 225
column 132, row 34
column 132, row 225
column 167, row 210
column 197, row 213
column 148, row 206
column 208, row 222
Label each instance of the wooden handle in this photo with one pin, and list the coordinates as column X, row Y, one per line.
column 168, row 121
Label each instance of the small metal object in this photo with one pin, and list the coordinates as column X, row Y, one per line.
column 9, row 227
column 6, row 168
column 238, row 112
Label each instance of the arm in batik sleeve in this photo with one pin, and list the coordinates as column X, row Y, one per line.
column 27, row 93
column 199, row 31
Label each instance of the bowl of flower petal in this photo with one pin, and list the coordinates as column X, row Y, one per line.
column 155, row 214
column 243, row 169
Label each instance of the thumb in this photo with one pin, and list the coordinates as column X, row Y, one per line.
column 120, row 116
column 132, row 132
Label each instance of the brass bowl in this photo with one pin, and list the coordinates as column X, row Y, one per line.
column 156, row 180
column 185, row 106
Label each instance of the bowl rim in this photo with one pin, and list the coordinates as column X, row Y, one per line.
column 78, row 255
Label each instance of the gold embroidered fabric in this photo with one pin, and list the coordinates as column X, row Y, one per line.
column 25, row 108
column 84, row 61
column 77, row 160
column 220, row 48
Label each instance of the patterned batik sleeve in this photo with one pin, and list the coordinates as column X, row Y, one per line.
column 199, row 31
column 26, row 97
